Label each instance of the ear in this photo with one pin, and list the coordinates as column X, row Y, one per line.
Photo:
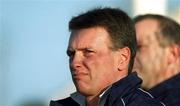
column 124, row 58
column 174, row 54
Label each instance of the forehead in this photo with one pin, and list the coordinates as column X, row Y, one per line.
column 146, row 30
column 89, row 37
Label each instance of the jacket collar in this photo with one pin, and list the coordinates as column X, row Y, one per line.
column 81, row 100
column 124, row 87
column 121, row 88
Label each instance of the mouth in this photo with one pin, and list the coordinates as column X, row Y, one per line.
column 136, row 66
column 79, row 76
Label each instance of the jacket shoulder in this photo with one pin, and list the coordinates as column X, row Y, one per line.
column 64, row 102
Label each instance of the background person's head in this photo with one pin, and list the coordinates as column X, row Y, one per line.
column 158, row 53
column 102, row 48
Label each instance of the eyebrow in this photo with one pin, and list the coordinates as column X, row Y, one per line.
column 82, row 48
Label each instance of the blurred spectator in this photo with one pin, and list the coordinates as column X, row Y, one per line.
column 158, row 57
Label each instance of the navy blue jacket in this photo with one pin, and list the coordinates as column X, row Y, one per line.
column 168, row 91
column 125, row 92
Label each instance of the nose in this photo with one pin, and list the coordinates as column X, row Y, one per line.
column 76, row 61
column 136, row 61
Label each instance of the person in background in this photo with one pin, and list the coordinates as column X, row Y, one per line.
column 158, row 57
column 101, row 51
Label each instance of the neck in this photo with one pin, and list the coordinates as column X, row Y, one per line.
column 171, row 71
column 92, row 101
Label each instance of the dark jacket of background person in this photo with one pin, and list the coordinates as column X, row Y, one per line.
column 168, row 91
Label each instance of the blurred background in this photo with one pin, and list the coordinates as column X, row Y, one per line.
column 33, row 40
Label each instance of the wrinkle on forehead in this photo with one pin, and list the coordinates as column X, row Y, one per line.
column 83, row 38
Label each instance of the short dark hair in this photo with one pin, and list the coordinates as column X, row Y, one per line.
column 168, row 28
column 116, row 22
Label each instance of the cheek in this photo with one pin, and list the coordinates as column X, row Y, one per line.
column 144, row 62
column 147, row 55
column 143, row 58
column 151, row 61
column 100, row 60
column 99, row 65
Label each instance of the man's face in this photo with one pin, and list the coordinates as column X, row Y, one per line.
column 151, row 57
column 93, row 65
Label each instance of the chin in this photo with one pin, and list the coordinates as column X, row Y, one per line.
column 85, row 92
column 83, row 89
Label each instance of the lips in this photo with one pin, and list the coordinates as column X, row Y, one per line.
column 136, row 66
column 79, row 75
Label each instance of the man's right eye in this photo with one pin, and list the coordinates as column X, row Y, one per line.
column 139, row 47
column 70, row 53
column 142, row 47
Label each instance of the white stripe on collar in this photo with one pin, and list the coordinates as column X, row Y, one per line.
column 81, row 100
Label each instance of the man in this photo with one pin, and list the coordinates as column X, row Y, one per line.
column 101, row 52
column 158, row 57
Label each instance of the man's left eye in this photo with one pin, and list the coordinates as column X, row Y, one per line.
column 88, row 52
